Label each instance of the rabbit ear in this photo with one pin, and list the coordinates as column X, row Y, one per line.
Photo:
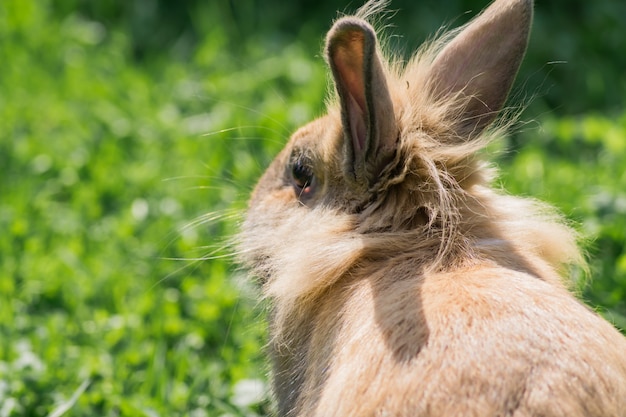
column 482, row 61
column 368, row 118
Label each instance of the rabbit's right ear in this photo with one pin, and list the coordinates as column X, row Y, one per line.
column 370, row 131
column 481, row 62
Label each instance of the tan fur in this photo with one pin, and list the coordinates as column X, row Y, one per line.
column 409, row 286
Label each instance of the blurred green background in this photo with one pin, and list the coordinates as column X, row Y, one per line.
column 131, row 134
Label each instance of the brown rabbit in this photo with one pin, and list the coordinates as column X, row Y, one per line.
column 401, row 283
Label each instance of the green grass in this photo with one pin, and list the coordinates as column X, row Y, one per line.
column 118, row 178
column 108, row 170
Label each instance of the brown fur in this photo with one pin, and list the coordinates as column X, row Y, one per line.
column 402, row 284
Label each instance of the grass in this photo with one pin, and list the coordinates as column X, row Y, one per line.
column 120, row 183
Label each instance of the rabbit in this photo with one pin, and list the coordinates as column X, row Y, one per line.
column 401, row 283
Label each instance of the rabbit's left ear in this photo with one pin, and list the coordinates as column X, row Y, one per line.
column 368, row 119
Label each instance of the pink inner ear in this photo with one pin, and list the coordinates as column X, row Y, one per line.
column 349, row 65
column 357, row 124
column 348, row 59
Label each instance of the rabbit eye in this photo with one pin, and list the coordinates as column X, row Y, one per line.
column 302, row 177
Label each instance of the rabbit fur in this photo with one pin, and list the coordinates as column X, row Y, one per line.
column 401, row 282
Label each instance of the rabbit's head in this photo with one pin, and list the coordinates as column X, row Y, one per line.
column 391, row 166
